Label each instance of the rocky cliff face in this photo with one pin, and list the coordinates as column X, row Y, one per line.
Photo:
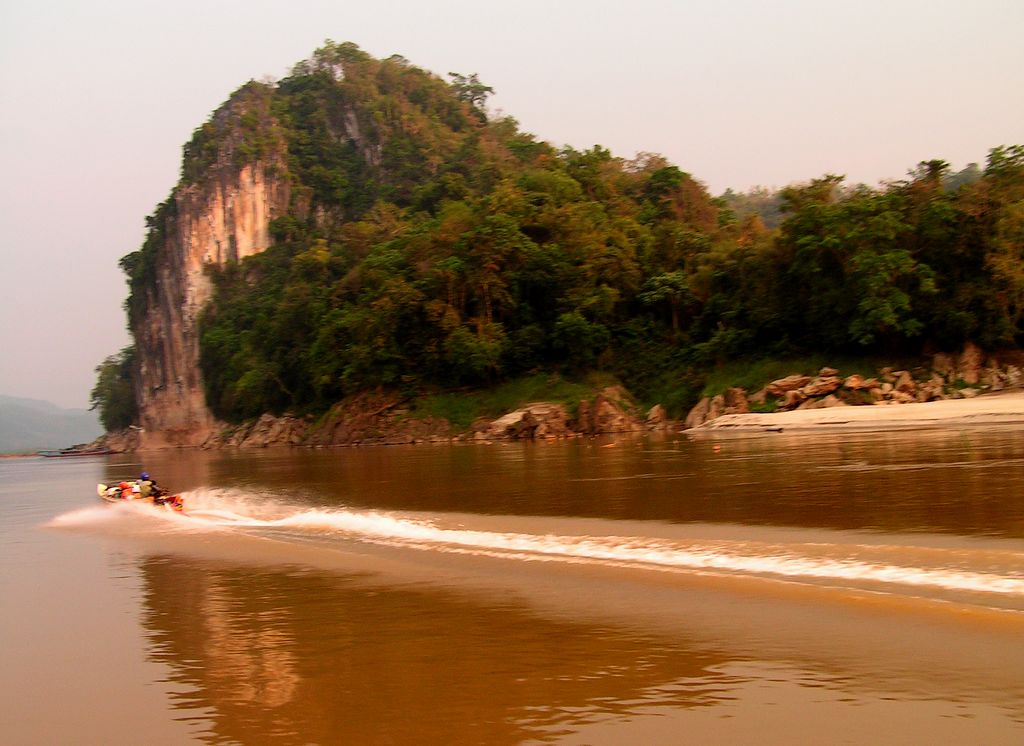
column 222, row 216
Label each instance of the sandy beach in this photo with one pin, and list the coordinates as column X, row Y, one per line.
column 989, row 409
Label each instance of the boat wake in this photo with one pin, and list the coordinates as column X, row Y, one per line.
column 992, row 571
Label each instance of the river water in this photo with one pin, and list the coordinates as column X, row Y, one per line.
column 804, row 589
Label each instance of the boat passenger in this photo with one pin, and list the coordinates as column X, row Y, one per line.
column 147, row 486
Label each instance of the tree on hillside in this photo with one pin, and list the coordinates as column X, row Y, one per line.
column 112, row 395
column 468, row 88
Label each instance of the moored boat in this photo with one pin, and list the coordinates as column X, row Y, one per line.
column 69, row 452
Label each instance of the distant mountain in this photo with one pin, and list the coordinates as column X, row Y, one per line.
column 31, row 424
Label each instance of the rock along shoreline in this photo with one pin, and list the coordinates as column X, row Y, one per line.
column 997, row 409
column 379, row 419
column 967, row 390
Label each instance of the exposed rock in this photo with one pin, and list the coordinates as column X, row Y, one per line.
column 944, row 366
column 821, row 403
column 552, row 421
column 904, row 382
column 969, row 364
column 792, row 399
column 717, row 408
column 857, row 382
column 759, row 397
column 375, row 418
column 698, row 415
column 967, row 393
column 657, row 418
column 269, row 430
column 611, row 411
column 993, row 379
column 822, row 386
column 827, row 372
column 521, row 424
column 518, row 429
column 932, row 389
column 221, row 218
column 790, row 383
column 735, row 401
column 122, row 441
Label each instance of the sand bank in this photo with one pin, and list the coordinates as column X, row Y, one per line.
column 981, row 411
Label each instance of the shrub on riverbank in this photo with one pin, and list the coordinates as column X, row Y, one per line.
column 462, row 408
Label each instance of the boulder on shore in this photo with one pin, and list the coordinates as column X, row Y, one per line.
column 698, row 415
column 822, row 385
column 537, row 420
column 790, row 383
column 857, row 382
column 969, row 364
column 611, row 411
column 266, row 431
column 657, row 418
column 735, row 401
column 792, row 399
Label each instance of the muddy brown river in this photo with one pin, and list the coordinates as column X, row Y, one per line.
column 778, row 589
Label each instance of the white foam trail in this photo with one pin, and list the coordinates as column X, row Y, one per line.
column 82, row 517
column 735, row 557
column 118, row 513
column 231, row 510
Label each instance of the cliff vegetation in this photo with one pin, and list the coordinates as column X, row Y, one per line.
column 429, row 247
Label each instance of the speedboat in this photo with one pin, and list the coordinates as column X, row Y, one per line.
column 116, row 494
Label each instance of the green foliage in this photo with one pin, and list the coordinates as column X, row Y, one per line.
column 240, row 132
column 113, row 395
column 462, row 408
column 468, row 88
column 579, row 341
column 141, row 266
column 761, row 201
column 426, row 247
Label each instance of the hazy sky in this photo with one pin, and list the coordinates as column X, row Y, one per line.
column 99, row 96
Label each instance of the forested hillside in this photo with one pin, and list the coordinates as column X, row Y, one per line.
column 429, row 247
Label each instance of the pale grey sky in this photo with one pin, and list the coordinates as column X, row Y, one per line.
column 100, row 95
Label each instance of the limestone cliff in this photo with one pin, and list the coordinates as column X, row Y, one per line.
column 323, row 167
column 221, row 215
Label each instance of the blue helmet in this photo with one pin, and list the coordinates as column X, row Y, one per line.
column 144, row 476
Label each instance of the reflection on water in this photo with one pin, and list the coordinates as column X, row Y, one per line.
column 302, row 656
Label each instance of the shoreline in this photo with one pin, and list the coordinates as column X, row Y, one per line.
column 1004, row 408
column 1000, row 409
